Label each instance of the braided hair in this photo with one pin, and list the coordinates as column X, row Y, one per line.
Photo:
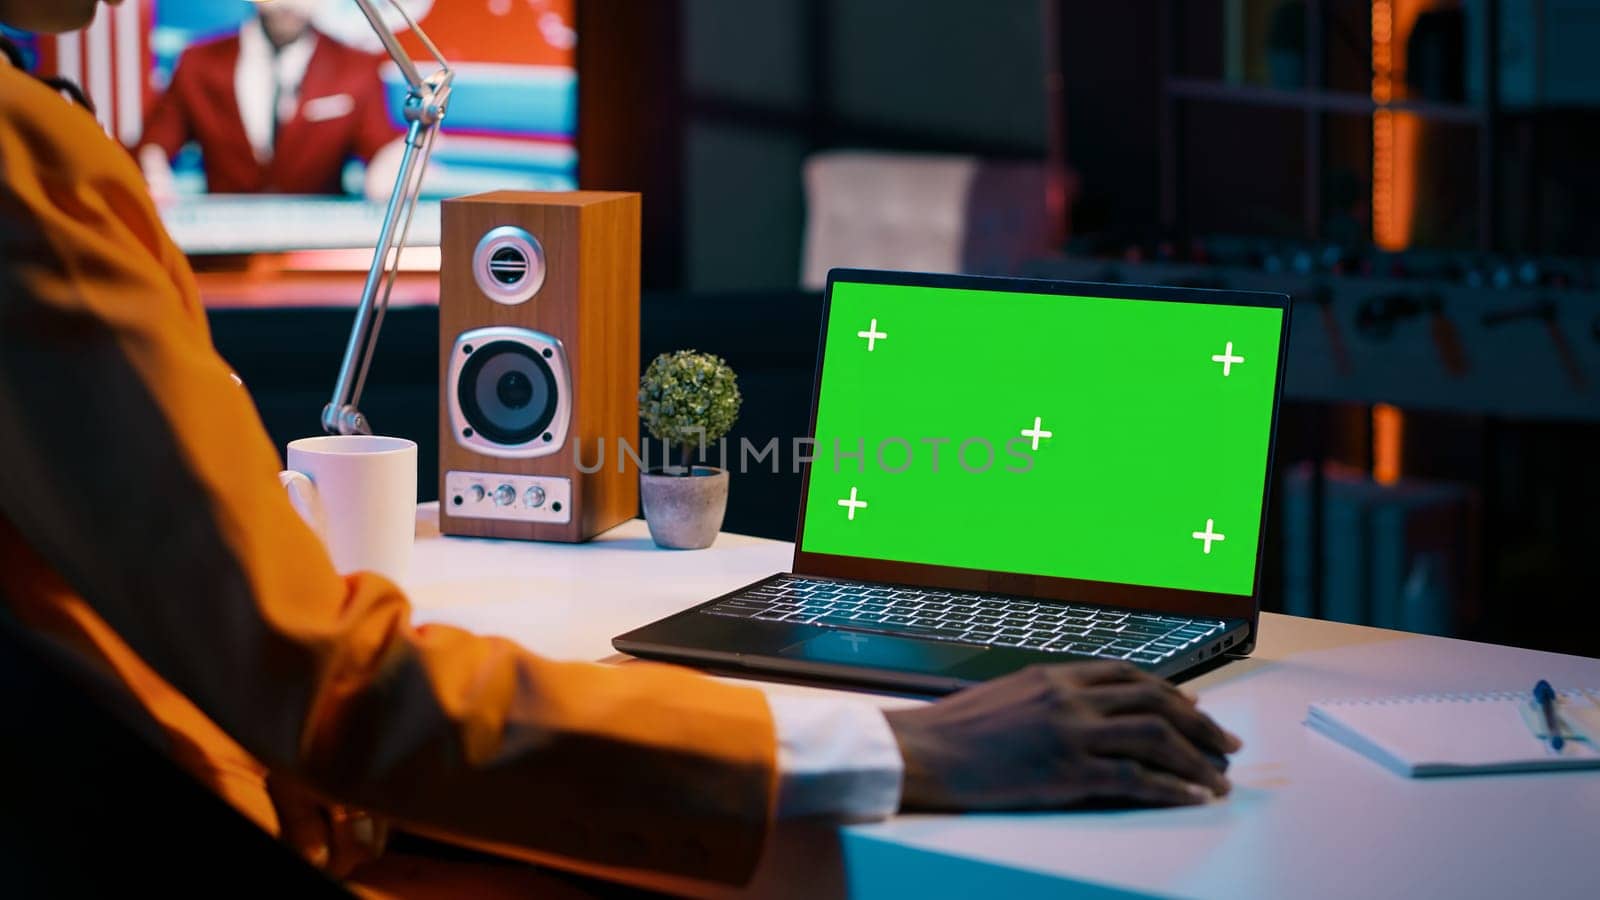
column 63, row 86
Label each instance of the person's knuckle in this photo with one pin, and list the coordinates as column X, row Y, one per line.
column 1070, row 673
column 1048, row 675
column 1198, row 723
column 1126, row 773
column 1069, row 752
column 1167, row 788
column 1182, row 714
column 1070, row 680
column 1149, row 728
column 1216, row 731
column 1208, row 726
column 1063, row 701
column 1029, row 682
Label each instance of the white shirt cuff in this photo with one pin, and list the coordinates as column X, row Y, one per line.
column 837, row 758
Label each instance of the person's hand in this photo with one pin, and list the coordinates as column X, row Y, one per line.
column 1055, row 736
column 330, row 836
column 384, row 168
column 158, row 175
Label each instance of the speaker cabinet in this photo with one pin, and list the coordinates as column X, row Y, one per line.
column 539, row 361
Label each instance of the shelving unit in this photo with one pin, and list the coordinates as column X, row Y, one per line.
column 1315, row 102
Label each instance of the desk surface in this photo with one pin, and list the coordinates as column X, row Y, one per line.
column 1308, row 818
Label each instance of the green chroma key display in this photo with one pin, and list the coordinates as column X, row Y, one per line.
column 1077, row 437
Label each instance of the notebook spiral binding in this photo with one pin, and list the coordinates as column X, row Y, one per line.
column 1467, row 697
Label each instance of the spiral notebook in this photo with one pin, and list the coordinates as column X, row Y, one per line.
column 1460, row 734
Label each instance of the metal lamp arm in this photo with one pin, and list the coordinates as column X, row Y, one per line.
column 391, row 43
column 426, row 101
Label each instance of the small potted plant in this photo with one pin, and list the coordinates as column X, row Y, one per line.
column 687, row 400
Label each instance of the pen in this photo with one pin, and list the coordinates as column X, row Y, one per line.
column 1545, row 696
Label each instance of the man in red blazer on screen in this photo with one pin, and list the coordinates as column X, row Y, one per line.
column 276, row 108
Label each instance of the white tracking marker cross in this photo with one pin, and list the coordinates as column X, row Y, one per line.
column 853, row 504
column 1037, row 431
column 1227, row 359
column 1209, row 535
column 873, row 335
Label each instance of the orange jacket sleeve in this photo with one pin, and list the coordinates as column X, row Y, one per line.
column 136, row 468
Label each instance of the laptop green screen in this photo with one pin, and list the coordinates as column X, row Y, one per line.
column 1103, row 439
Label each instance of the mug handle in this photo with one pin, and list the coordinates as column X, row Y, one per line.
column 306, row 500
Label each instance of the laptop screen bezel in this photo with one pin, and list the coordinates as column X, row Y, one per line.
column 1134, row 596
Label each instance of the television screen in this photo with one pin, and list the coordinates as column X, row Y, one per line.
column 296, row 97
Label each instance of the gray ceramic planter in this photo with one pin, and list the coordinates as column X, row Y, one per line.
column 684, row 513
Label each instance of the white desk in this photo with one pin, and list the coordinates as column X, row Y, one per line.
column 1307, row 819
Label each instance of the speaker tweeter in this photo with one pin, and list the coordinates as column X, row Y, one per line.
column 508, row 265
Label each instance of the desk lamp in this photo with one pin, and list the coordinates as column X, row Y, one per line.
column 426, row 99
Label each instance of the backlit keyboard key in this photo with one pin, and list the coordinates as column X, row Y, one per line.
column 969, row 618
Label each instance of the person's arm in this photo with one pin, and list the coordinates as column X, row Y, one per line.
column 837, row 759
column 1056, row 736
column 138, row 469
column 1044, row 738
column 378, row 140
column 158, row 177
column 375, row 128
column 136, row 466
column 384, row 167
column 167, row 126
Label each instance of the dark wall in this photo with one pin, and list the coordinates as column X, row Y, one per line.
column 1112, row 80
column 709, row 107
column 288, row 359
column 629, row 114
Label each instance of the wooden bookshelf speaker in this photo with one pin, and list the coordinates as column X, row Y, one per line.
column 539, row 363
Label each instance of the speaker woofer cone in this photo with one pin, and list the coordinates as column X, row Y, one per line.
column 508, row 393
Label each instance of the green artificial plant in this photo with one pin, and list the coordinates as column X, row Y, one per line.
column 689, row 398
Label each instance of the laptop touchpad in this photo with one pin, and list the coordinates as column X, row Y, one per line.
column 880, row 651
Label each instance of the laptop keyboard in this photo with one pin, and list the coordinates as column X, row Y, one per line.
column 967, row 618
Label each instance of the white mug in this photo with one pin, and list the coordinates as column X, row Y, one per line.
column 359, row 494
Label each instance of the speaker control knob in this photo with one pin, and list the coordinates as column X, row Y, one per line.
column 505, row 495
column 477, row 493
column 533, row 496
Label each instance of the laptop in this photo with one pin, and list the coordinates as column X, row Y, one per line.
column 1006, row 472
